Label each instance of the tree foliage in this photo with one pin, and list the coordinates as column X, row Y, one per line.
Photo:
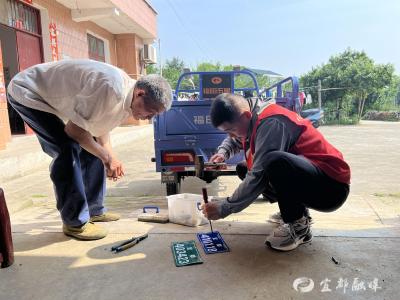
column 356, row 77
column 152, row 69
column 359, row 83
column 173, row 68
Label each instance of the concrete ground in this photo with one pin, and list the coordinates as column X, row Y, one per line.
column 362, row 236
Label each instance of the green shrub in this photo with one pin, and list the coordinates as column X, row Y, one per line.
column 342, row 116
column 393, row 116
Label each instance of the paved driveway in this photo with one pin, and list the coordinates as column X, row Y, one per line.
column 363, row 236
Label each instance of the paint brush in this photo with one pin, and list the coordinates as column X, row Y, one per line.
column 205, row 198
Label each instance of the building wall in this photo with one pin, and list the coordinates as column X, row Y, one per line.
column 3, row 12
column 122, row 50
column 132, row 44
column 139, row 11
column 138, row 48
column 72, row 36
column 11, row 66
column 128, row 53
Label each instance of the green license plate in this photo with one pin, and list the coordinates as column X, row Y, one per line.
column 185, row 253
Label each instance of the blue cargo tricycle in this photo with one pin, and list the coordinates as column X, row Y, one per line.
column 184, row 138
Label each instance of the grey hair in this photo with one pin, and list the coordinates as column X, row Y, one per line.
column 158, row 92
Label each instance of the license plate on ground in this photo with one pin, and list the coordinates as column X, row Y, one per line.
column 212, row 242
column 185, row 253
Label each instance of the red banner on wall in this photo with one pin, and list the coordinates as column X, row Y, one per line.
column 53, row 41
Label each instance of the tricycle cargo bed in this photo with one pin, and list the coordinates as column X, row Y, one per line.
column 187, row 118
column 184, row 137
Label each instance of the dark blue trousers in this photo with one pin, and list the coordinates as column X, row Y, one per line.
column 79, row 177
column 298, row 184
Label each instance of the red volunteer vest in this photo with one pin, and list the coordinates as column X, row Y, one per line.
column 311, row 144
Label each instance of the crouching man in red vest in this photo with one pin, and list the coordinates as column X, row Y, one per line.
column 288, row 160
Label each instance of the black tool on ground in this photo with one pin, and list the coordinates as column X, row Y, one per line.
column 205, row 198
column 335, row 261
column 129, row 243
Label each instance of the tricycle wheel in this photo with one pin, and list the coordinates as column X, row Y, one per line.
column 173, row 188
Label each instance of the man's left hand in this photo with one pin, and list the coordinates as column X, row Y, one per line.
column 114, row 169
column 210, row 211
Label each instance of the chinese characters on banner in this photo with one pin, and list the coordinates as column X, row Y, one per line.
column 53, row 41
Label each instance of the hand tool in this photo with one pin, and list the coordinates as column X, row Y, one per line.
column 205, row 198
column 129, row 243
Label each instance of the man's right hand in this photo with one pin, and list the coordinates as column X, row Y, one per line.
column 114, row 169
column 100, row 147
column 217, row 158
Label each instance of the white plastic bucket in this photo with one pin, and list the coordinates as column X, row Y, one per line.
column 184, row 209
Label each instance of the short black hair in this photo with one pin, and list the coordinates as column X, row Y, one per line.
column 224, row 109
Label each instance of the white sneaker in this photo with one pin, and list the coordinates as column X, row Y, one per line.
column 289, row 236
column 276, row 218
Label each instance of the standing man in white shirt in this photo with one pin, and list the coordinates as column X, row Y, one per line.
column 72, row 105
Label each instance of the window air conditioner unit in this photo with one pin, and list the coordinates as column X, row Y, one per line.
column 149, row 54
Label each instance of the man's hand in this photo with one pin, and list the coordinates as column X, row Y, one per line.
column 210, row 211
column 217, row 158
column 100, row 147
column 114, row 169
column 87, row 142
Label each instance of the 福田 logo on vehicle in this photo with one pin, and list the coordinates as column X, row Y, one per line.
column 216, row 80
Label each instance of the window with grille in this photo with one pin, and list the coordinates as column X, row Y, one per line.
column 23, row 16
column 96, row 48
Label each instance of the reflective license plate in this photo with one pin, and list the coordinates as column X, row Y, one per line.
column 169, row 177
column 212, row 242
column 185, row 253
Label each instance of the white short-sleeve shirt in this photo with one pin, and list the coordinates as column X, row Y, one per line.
column 93, row 95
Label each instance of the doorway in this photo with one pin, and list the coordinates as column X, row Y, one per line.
column 10, row 68
column 22, row 48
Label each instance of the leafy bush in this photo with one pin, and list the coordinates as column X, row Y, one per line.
column 382, row 116
column 341, row 116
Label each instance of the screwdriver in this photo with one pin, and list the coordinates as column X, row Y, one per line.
column 205, row 198
column 129, row 243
